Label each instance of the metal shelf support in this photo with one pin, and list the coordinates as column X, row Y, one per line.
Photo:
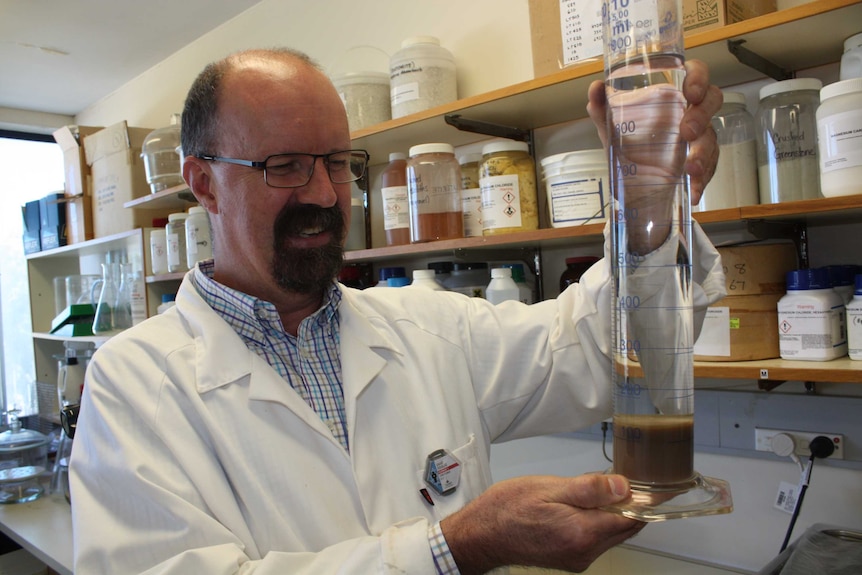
column 756, row 61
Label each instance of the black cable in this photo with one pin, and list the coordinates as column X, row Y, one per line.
column 604, row 437
column 821, row 447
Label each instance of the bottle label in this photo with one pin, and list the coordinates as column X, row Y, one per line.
column 840, row 141
column 501, row 202
column 471, row 202
column 808, row 331
column 576, row 201
column 396, row 209
column 173, row 250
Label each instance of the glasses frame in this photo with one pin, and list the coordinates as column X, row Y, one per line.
column 261, row 165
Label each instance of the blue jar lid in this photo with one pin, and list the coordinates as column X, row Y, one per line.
column 398, row 281
column 817, row 278
column 394, row 272
column 858, row 290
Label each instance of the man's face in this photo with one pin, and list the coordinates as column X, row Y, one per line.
column 278, row 238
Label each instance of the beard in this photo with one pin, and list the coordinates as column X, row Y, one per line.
column 307, row 270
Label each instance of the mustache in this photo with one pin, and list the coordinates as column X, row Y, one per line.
column 293, row 220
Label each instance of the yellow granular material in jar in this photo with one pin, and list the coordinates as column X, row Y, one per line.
column 520, row 163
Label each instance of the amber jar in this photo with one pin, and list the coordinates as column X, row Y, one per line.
column 575, row 268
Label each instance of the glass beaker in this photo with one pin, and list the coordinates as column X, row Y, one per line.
column 653, row 322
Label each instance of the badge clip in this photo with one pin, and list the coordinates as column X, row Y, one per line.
column 442, row 471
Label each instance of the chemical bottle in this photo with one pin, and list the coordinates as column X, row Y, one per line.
column 434, row 193
column 396, row 207
column 811, row 318
column 159, row 251
column 468, row 278
column 398, row 281
column 442, row 271
column 854, row 322
column 471, row 195
column 426, row 279
column 575, row 268
column 199, row 243
column 421, row 76
column 168, row 301
column 383, row 275
column 526, row 292
column 175, row 232
column 502, row 286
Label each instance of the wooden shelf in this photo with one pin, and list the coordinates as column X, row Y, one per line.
column 178, row 198
column 841, row 370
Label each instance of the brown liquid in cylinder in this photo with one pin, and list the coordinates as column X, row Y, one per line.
column 655, row 449
column 437, row 226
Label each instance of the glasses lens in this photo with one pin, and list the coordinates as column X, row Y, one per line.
column 346, row 166
column 288, row 170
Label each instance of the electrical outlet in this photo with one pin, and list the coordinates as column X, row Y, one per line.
column 763, row 441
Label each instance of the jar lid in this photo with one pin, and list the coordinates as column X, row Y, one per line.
column 505, row 146
column 385, row 273
column 436, row 148
column 817, row 278
column 353, row 78
column 469, row 158
column 197, row 210
column 581, row 260
column 733, row 97
column 13, row 441
column 790, row 86
column 177, row 216
column 397, row 156
column 858, row 285
column 854, row 41
column 397, row 281
column 576, row 158
column 413, row 40
column 424, row 274
column 497, row 273
column 841, row 88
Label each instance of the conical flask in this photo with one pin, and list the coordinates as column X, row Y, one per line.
column 103, row 322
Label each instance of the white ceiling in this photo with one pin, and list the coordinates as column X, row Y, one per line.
column 61, row 56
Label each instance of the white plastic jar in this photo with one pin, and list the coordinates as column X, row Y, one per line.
column 851, row 60
column 421, row 76
column 577, row 186
column 159, row 251
column 811, row 318
column 365, row 96
column 854, row 322
column 839, row 136
column 199, row 243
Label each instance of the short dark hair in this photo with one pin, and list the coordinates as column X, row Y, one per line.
column 200, row 113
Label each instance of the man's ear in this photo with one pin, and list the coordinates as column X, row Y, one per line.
column 196, row 173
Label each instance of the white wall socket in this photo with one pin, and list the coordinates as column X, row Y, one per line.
column 763, row 441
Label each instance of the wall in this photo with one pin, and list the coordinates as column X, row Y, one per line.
column 491, row 43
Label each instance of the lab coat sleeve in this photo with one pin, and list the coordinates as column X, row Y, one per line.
column 146, row 501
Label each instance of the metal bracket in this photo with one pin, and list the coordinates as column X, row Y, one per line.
column 756, row 61
column 798, row 232
column 489, row 129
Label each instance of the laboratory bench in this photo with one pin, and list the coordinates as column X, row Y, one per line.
column 43, row 528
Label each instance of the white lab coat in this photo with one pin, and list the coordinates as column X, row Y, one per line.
column 192, row 455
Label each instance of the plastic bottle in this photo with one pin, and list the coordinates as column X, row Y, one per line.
column 383, row 275
column 526, row 292
column 851, row 60
column 175, row 232
column 396, row 207
column 471, row 195
column 811, row 318
column 168, row 301
column 469, row 278
column 854, row 322
column 426, row 279
column 159, row 251
column 734, row 183
column 502, row 287
column 787, row 149
column 421, row 76
column 442, row 271
column 199, row 243
column 434, row 191
column 839, row 123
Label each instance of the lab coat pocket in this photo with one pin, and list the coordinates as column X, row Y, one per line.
column 473, row 479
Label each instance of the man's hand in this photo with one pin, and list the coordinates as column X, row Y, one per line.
column 539, row 521
column 704, row 100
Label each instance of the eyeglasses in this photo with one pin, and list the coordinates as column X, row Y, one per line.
column 295, row 170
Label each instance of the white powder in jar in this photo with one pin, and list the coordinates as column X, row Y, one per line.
column 415, row 90
column 366, row 98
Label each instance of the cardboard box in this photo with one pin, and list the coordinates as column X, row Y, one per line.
column 78, row 187
column 118, row 175
column 52, row 218
column 32, row 223
column 739, row 10
column 740, row 328
column 702, row 15
column 563, row 32
column 757, row 268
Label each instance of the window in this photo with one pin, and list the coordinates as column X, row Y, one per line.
column 29, row 170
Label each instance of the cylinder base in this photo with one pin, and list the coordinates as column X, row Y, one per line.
column 652, row 503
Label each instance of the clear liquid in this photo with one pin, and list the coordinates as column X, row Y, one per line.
column 653, row 319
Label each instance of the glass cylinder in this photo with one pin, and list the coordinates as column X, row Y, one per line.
column 434, row 192
column 652, row 315
column 787, row 154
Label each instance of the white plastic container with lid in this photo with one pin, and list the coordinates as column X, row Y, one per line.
column 811, row 318
column 507, row 178
column 161, row 159
column 839, row 134
column 734, row 183
column 365, row 96
column 577, row 186
column 159, row 251
column 199, row 242
column 471, row 194
column 854, row 322
column 434, row 192
column 421, row 76
column 851, row 60
column 468, row 278
column 502, row 287
column 426, row 279
column 787, row 152
column 175, row 233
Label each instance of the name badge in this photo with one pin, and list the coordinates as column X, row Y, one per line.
column 442, row 471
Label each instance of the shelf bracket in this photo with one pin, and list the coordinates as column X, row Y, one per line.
column 756, row 61
column 798, row 232
column 489, row 129
column 769, row 384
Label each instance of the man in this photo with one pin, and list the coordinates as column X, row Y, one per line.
column 276, row 422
